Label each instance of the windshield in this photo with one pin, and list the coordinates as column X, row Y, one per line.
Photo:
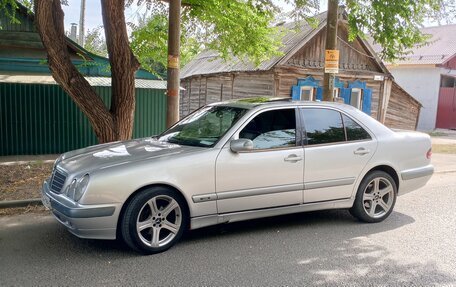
column 204, row 127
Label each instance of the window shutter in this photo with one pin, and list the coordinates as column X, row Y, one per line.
column 296, row 93
column 367, row 101
column 319, row 96
column 346, row 95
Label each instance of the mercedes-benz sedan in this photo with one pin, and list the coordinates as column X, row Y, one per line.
column 235, row 161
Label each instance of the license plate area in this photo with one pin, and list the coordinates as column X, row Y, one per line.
column 45, row 199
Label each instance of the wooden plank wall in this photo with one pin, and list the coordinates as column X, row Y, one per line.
column 353, row 57
column 202, row 90
column 403, row 110
column 375, row 86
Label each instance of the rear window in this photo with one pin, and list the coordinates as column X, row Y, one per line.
column 323, row 126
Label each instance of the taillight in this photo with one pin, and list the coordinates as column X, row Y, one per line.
column 429, row 154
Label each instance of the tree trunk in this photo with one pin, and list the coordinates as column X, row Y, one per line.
column 108, row 125
column 123, row 67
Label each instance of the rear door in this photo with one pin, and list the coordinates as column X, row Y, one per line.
column 336, row 151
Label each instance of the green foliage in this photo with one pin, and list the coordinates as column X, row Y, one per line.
column 235, row 28
column 393, row 24
column 149, row 43
column 95, row 43
column 9, row 9
column 244, row 28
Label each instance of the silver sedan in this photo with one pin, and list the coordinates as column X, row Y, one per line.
column 235, row 161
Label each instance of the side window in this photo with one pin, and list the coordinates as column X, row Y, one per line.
column 354, row 131
column 323, row 126
column 272, row 129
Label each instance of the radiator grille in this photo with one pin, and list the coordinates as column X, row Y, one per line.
column 57, row 181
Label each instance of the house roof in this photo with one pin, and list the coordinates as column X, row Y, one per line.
column 209, row 62
column 93, row 81
column 440, row 49
column 23, row 50
column 296, row 35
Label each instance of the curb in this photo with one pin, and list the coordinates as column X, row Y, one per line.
column 444, row 171
column 20, row 203
column 23, row 162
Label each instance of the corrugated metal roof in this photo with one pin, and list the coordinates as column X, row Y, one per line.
column 441, row 47
column 93, row 81
column 209, row 62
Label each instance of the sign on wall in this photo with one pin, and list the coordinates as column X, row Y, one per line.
column 332, row 61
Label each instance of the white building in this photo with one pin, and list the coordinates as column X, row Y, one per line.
column 429, row 75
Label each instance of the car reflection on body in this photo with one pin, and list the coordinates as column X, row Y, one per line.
column 234, row 161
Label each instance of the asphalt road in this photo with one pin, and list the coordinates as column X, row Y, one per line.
column 415, row 246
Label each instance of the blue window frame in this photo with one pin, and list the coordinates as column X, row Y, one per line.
column 307, row 89
column 357, row 94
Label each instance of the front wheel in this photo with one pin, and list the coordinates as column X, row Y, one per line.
column 154, row 220
column 375, row 198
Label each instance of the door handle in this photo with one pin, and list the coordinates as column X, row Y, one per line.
column 361, row 151
column 292, row 158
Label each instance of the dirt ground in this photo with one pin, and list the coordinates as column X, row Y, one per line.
column 23, row 181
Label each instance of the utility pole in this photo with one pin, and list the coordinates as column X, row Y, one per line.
column 172, row 115
column 81, row 23
column 331, row 54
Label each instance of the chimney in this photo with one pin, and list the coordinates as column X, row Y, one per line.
column 73, row 31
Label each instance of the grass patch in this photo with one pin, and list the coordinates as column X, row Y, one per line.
column 437, row 134
column 444, row 148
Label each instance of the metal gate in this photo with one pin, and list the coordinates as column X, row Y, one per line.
column 43, row 119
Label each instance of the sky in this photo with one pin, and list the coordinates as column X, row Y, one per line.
column 93, row 12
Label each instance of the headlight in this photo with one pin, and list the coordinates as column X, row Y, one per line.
column 71, row 188
column 81, row 187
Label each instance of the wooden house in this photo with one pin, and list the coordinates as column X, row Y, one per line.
column 363, row 81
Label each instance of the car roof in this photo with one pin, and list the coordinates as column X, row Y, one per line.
column 259, row 103
column 251, row 103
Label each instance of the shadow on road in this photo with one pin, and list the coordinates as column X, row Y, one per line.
column 316, row 248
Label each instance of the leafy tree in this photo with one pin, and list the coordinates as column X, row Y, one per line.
column 95, row 43
column 149, row 43
column 240, row 28
column 395, row 25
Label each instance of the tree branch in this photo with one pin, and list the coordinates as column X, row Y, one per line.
column 49, row 22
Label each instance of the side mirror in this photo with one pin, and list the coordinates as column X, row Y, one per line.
column 241, row 145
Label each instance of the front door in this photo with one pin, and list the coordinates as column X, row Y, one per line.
column 446, row 112
column 271, row 174
column 337, row 150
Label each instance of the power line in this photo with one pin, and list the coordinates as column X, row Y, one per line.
column 356, row 50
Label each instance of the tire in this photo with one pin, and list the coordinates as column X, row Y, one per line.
column 375, row 198
column 154, row 220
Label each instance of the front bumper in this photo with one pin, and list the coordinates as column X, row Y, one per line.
column 85, row 221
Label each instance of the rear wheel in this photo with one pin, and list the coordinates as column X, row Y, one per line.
column 375, row 198
column 154, row 220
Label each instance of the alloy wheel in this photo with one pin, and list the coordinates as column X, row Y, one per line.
column 159, row 221
column 378, row 197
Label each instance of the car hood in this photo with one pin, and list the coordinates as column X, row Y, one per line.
column 112, row 154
